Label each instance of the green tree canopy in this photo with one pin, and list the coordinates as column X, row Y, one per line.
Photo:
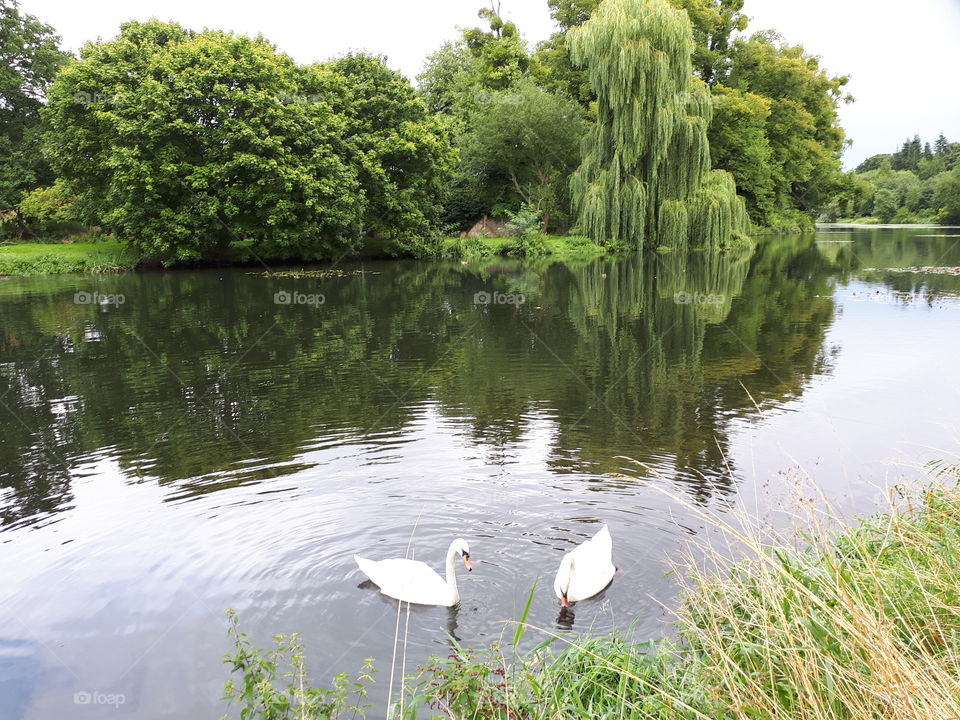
column 714, row 23
column 500, row 55
column 402, row 154
column 184, row 141
column 802, row 128
column 644, row 177
column 529, row 142
column 457, row 78
column 948, row 197
column 775, row 126
column 908, row 186
column 518, row 142
column 29, row 59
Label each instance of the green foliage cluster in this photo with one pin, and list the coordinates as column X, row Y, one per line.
column 776, row 128
column 48, row 210
column 518, row 140
column 273, row 685
column 918, row 183
column 182, row 142
column 526, row 239
column 523, row 145
column 774, row 124
column 29, row 60
column 645, row 178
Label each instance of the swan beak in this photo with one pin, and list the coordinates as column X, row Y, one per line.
column 563, row 600
column 466, row 561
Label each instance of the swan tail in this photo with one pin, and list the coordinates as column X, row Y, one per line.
column 367, row 567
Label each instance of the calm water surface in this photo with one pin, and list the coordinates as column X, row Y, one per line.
column 201, row 446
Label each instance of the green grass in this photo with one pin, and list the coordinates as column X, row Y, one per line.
column 79, row 257
column 866, row 220
column 111, row 256
column 820, row 623
column 557, row 247
column 901, row 219
column 52, row 258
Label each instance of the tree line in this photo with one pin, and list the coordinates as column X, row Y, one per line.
column 184, row 142
column 918, row 183
column 774, row 114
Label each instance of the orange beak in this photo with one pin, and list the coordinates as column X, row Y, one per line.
column 563, row 600
column 466, row 561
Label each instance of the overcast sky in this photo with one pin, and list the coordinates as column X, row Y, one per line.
column 903, row 58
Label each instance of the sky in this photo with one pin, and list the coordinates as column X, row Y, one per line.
column 903, row 59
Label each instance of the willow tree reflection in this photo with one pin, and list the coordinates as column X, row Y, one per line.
column 201, row 381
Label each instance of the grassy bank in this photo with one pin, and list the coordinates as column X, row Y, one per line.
column 78, row 257
column 864, row 625
column 560, row 247
column 112, row 256
column 855, row 624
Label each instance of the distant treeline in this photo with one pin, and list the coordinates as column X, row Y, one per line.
column 920, row 183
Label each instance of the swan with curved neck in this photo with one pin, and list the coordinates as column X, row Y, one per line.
column 416, row 582
column 585, row 570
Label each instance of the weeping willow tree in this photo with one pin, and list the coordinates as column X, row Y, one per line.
column 645, row 175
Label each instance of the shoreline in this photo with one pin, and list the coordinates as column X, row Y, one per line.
column 112, row 256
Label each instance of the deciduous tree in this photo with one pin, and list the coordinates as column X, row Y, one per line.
column 645, row 177
column 184, row 141
column 29, row 59
column 529, row 141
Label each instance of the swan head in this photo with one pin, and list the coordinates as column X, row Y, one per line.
column 463, row 550
column 564, row 575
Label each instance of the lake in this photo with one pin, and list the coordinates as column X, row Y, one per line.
column 173, row 444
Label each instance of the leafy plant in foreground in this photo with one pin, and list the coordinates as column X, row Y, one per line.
column 273, row 684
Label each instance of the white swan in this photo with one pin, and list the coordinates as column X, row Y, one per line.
column 416, row 582
column 585, row 570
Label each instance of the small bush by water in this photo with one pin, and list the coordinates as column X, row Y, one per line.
column 857, row 624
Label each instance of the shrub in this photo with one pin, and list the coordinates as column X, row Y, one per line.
column 526, row 239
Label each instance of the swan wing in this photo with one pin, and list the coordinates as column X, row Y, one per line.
column 408, row 580
column 600, row 546
column 593, row 566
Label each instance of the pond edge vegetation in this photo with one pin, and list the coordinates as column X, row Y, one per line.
column 822, row 622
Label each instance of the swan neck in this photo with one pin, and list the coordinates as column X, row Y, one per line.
column 452, row 566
